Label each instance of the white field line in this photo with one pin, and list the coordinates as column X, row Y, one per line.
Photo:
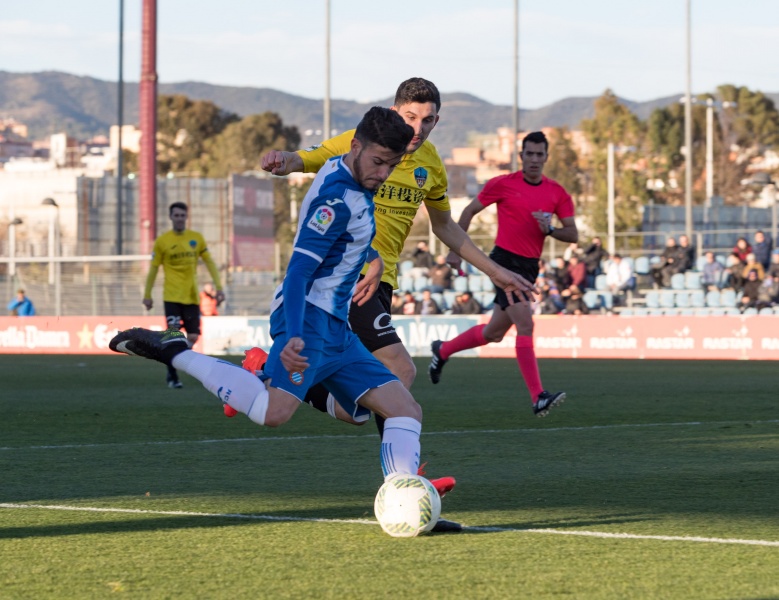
column 595, row 534
column 279, row 438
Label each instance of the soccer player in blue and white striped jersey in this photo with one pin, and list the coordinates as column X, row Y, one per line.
column 312, row 340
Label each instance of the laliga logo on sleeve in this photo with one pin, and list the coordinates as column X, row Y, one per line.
column 322, row 219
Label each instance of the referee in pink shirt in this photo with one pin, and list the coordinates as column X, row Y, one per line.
column 526, row 202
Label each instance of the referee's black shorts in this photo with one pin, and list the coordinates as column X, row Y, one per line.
column 521, row 265
column 372, row 321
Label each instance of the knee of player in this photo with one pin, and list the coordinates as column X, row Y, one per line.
column 278, row 414
column 410, row 408
column 406, row 372
column 493, row 337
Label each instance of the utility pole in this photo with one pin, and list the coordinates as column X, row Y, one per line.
column 120, row 122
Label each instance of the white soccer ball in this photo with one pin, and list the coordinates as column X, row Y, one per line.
column 407, row 505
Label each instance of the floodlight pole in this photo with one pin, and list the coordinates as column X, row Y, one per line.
column 326, row 108
column 515, row 111
column 688, row 133
column 120, row 121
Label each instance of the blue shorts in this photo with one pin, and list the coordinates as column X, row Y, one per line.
column 338, row 360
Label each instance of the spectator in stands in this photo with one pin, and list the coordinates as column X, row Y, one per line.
column 762, row 249
column 440, row 275
column 751, row 291
column 574, row 301
column 773, row 268
column 619, row 276
column 427, row 306
column 593, row 256
column 559, row 273
column 21, row 306
column 409, row 304
column 396, row 305
column 752, row 265
column 734, row 276
column 768, row 294
column 208, row 301
column 423, row 261
column 570, row 250
column 686, row 255
column 713, row 273
column 466, row 304
column 741, row 249
column 549, row 302
column 578, row 272
column 669, row 260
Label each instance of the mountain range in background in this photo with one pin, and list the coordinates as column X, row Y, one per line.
column 50, row 102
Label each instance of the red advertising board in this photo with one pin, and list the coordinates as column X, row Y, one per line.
column 66, row 335
column 721, row 337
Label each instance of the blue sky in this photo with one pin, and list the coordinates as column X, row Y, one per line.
column 567, row 47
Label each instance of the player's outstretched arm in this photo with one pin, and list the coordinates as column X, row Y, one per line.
column 454, row 235
column 280, row 162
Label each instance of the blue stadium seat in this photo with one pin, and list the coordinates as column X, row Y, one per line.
column 713, row 299
column 721, row 259
column 728, row 298
column 687, row 312
column 683, row 300
column 671, row 312
column 460, row 284
column 700, row 262
column 626, row 312
column 406, row 283
column 716, row 312
column 767, row 310
column 698, row 299
column 655, row 312
column 420, row 283
column 751, row 311
column 439, row 300
column 640, row 311
column 486, row 299
column 692, row 280
column 667, row 299
column 406, row 266
column 475, row 283
column 600, row 282
column 732, row 310
column 592, row 300
column 677, row 281
column 642, row 266
column 652, row 299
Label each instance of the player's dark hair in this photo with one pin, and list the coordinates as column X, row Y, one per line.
column 180, row 205
column 417, row 89
column 386, row 128
column 537, row 137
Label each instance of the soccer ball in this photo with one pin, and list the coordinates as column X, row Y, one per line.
column 407, row 505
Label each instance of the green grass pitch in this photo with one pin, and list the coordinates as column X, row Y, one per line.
column 655, row 479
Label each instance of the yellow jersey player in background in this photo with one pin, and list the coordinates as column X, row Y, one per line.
column 178, row 251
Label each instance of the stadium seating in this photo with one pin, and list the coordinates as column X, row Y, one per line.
column 460, row 284
column 652, row 299
column 682, row 300
column 420, row 283
column 713, row 299
column 667, row 299
column 677, row 281
column 692, row 279
column 600, row 283
column 642, row 266
column 406, row 283
column 475, row 283
column 406, row 266
column 697, row 299
column 728, row 298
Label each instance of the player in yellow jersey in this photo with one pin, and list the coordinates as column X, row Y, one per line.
column 178, row 251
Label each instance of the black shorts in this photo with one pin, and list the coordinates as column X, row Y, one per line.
column 183, row 316
column 372, row 321
column 521, row 265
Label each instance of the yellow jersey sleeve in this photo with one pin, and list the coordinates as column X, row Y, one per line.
column 315, row 157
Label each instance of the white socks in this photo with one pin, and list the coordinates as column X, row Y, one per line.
column 230, row 383
column 400, row 446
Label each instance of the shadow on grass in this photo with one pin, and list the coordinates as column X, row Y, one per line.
column 559, row 523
